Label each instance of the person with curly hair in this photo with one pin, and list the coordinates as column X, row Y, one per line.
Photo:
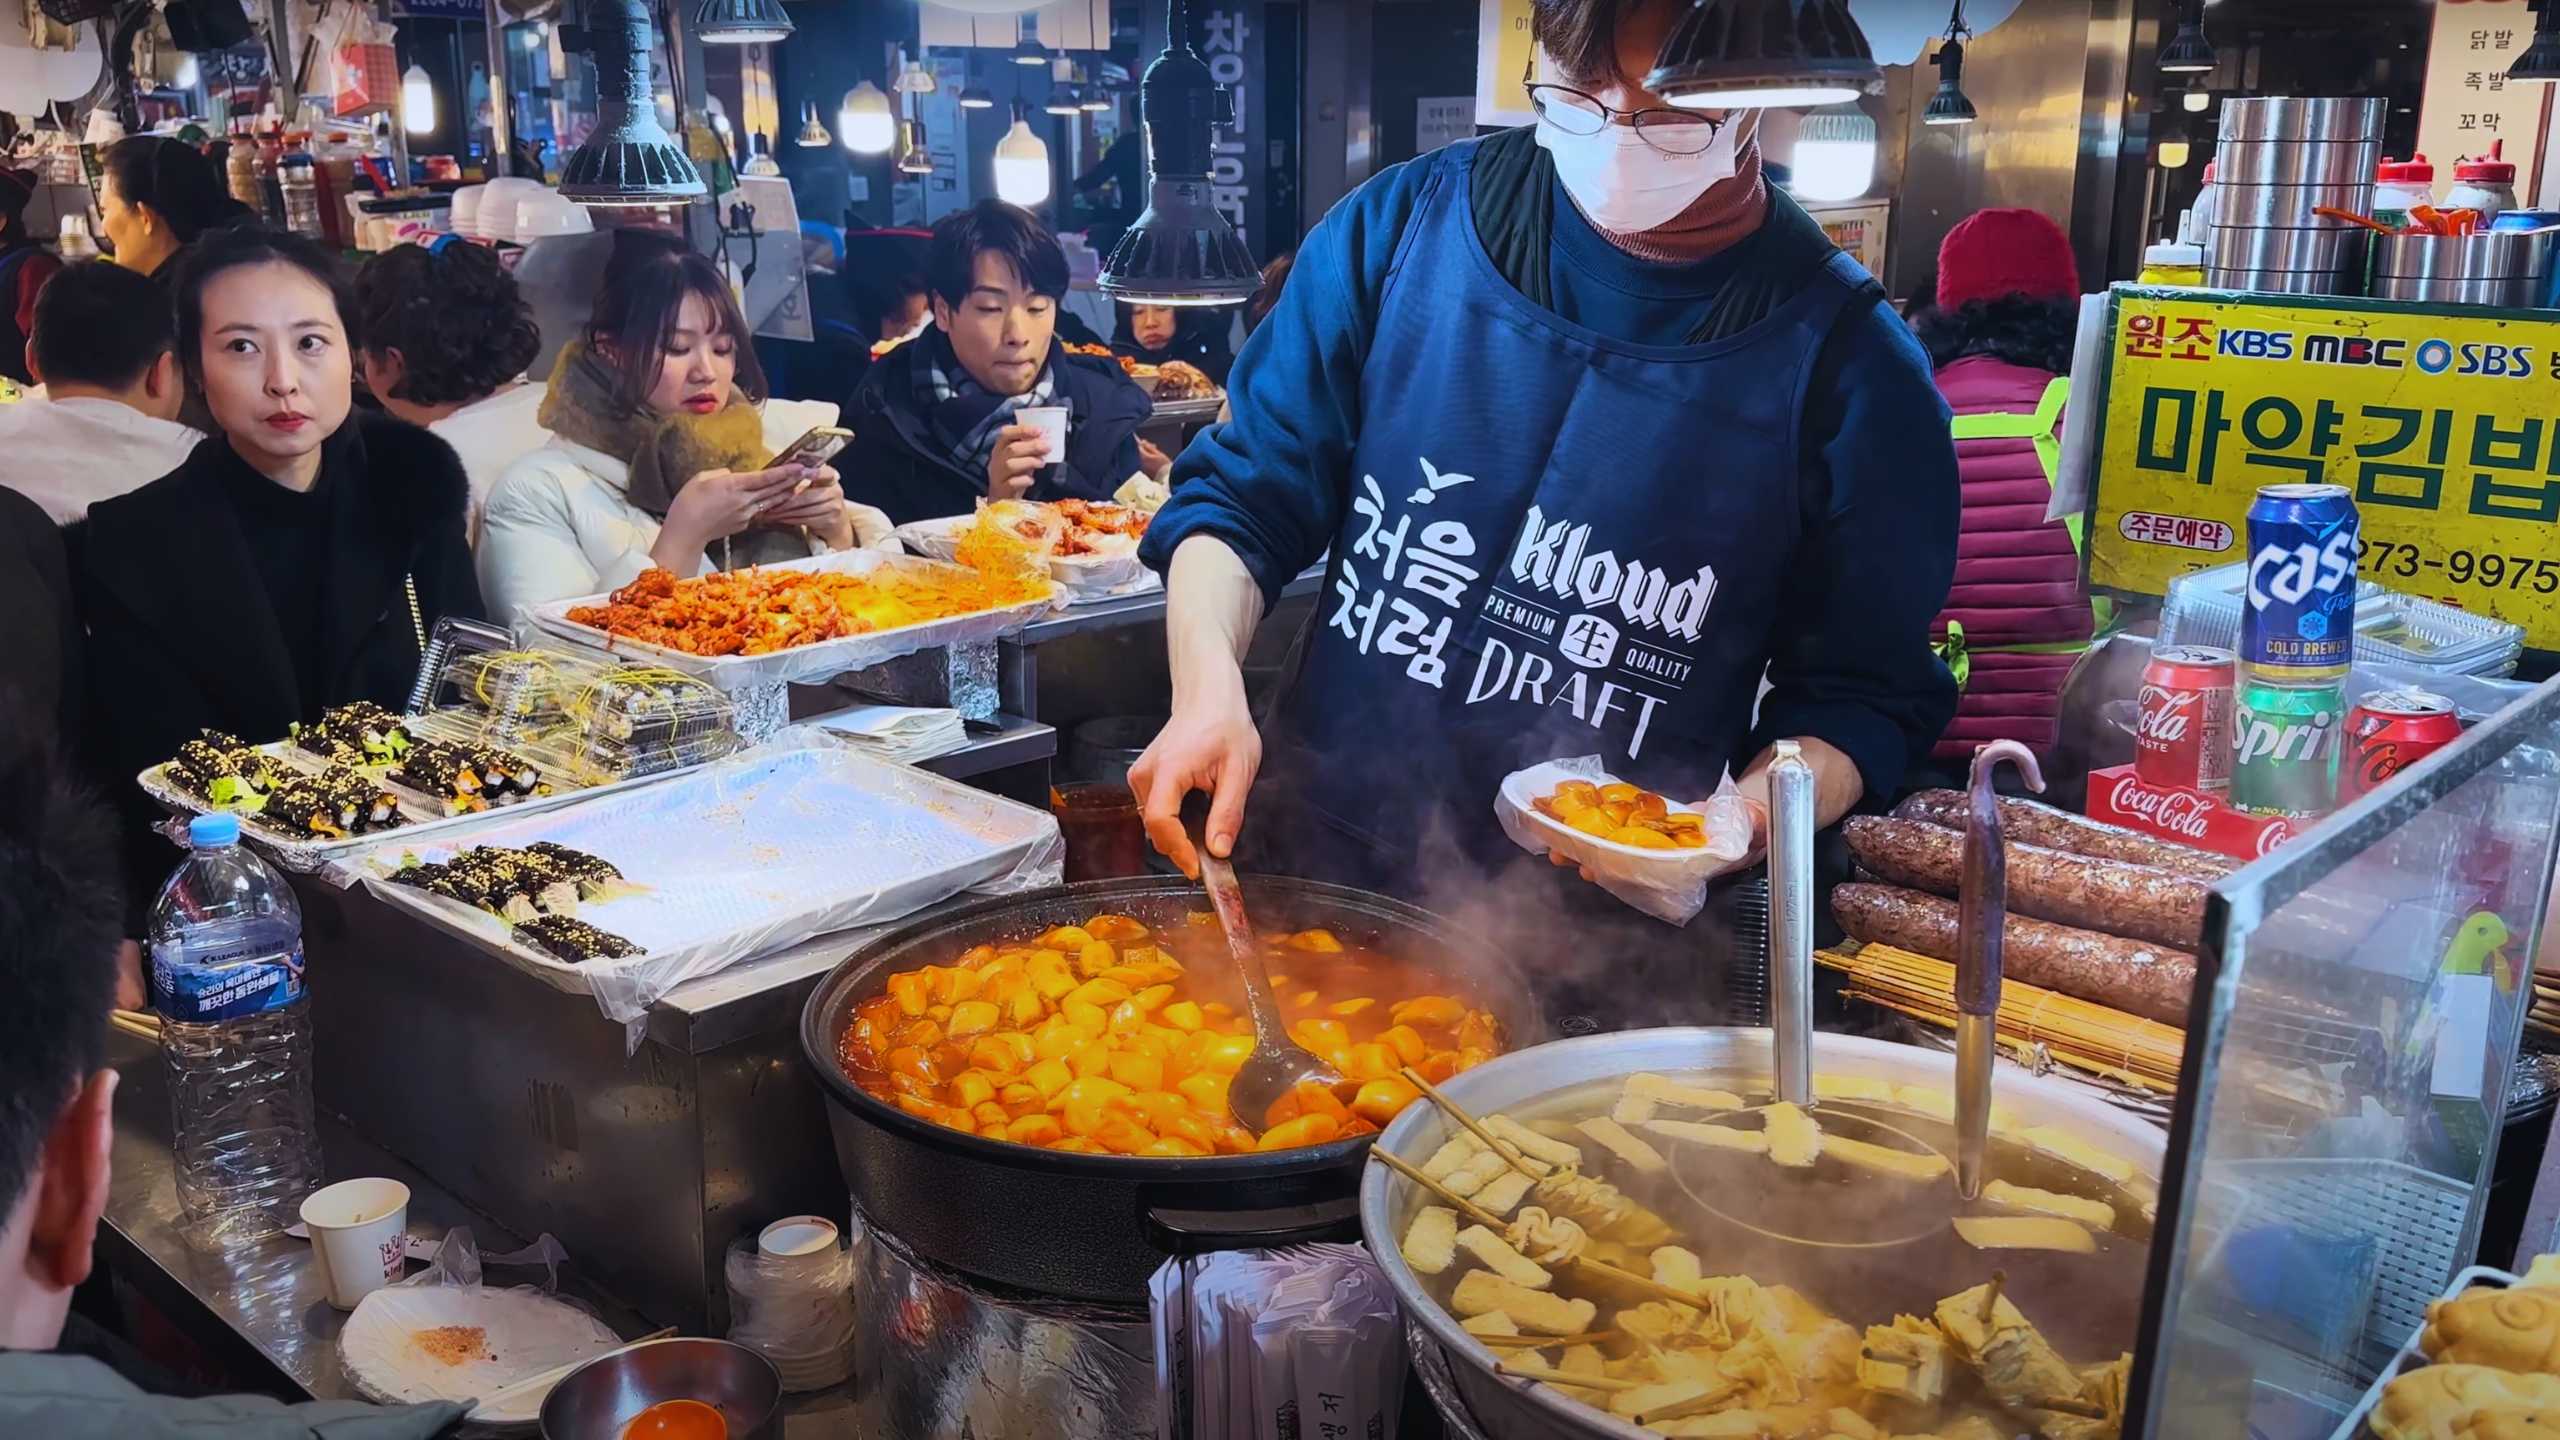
column 1999, row 336
column 444, row 341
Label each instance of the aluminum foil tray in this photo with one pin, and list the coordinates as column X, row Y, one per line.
column 741, row 858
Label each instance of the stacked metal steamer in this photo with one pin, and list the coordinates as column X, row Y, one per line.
column 2280, row 160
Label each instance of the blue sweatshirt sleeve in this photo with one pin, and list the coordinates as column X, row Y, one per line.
column 1851, row 663
column 1273, row 479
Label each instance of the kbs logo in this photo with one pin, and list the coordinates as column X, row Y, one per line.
column 2489, row 362
column 2255, row 344
column 2278, row 576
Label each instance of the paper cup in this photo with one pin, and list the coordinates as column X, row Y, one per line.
column 359, row 1236
column 1051, row 422
column 800, row 1235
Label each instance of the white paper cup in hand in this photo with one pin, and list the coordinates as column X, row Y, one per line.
column 359, row 1236
column 1051, row 422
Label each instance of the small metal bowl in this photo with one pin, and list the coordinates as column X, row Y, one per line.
column 596, row 1400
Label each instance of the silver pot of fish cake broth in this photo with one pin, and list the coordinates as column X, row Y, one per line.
column 1878, row 1263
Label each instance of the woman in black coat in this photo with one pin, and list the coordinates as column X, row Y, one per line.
column 297, row 560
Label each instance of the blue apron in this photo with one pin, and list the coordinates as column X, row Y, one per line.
column 1554, row 544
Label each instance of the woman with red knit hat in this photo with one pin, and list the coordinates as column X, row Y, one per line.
column 2000, row 336
column 24, row 267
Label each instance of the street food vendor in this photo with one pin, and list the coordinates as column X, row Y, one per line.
column 1601, row 432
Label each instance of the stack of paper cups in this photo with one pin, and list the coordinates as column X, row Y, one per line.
column 791, row 1301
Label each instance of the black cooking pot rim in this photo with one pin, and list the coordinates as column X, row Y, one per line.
column 818, row 1040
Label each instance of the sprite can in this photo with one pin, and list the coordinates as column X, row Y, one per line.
column 2299, row 611
column 2285, row 742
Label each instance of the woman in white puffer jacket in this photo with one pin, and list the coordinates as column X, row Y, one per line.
column 658, row 450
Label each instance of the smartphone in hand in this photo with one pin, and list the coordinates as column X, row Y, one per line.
column 822, row 444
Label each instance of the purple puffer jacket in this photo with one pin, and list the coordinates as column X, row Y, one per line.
column 2017, row 576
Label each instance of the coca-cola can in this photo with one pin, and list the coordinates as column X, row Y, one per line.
column 2183, row 739
column 2389, row 732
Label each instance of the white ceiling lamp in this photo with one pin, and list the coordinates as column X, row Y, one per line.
column 417, row 101
column 1835, row 156
column 914, row 79
column 1022, row 165
column 865, row 122
column 2196, row 101
column 812, row 134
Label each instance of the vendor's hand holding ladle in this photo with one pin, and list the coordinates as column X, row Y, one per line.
column 1278, row 1064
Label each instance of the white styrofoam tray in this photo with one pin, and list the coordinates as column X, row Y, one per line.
column 824, row 660
column 743, row 857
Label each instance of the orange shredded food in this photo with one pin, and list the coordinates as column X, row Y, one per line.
column 759, row 611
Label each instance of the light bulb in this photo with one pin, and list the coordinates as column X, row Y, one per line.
column 418, row 101
column 188, row 73
column 864, row 121
column 2195, row 101
column 1835, row 154
column 1022, row 167
column 2174, row 154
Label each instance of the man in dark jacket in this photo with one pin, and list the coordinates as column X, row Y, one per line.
column 935, row 420
column 58, row 927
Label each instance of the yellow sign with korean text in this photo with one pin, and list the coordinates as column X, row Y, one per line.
column 2443, row 422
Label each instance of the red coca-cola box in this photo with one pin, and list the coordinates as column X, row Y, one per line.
column 2120, row 797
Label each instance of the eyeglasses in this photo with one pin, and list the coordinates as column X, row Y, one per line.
column 1673, row 132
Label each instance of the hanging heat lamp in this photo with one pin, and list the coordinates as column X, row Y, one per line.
column 1027, row 49
column 975, row 96
column 812, row 134
column 741, row 22
column 628, row 158
column 913, row 156
column 1095, row 101
column 1764, row 54
column 1064, row 99
column 1182, row 251
column 2541, row 59
column 1950, row 106
column 1022, row 164
column 2188, row 51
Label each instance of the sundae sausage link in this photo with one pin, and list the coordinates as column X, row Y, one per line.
column 2037, row 823
column 2137, row 901
column 2151, row 981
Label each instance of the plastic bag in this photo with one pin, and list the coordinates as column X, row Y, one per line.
column 1270, row 1344
column 794, row 1310
column 444, row 1334
column 1669, row 885
column 364, row 65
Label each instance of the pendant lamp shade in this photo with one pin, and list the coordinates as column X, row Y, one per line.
column 977, row 97
column 2188, row 51
column 1950, row 106
column 1182, row 251
column 2541, row 59
column 914, row 156
column 1764, row 54
column 813, row 134
column 741, row 22
column 629, row 158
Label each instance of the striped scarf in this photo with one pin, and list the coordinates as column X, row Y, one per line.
column 963, row 416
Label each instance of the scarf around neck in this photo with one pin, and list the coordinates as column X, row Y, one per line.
column 963, row 416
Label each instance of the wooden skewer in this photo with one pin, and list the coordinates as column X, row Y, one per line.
column 135, row 1022
column 1991, row 1297
column 1715, row 1399
column 1559, row 1377
column 1510, row 1155
column 2085, row 1409
column 1491, row 1221
column 1549, row 1342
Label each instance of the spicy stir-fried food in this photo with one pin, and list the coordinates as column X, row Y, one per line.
column 1095, row 1038
column 1623, row 813
column 1069, row 527
column 759, row 611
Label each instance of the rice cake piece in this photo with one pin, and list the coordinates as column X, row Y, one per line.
column 1537, row 1147
column 2025, row 1232
column 1795, row 1141
column 1749, row 1142
column 1491, row 1322
column 1451, row 1157
column 2096, row 1214
column 1495, row 1254
column 1885, row 1160
column 1481, row 1292
column 1663, row 1090
column 1634, row 1109
column 2061, row 1144
column 1615, row 1138
column 1504, row 1192
column 1431, row 1241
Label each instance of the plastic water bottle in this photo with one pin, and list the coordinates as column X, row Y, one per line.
column 226, row 975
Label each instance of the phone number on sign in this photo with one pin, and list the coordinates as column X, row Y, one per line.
column 2391, row 559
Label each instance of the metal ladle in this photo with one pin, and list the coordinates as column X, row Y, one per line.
column 1791, row 826
column 1982, row 911
column 1278, row 1064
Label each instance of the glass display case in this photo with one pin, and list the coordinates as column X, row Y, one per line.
column 2361, row 996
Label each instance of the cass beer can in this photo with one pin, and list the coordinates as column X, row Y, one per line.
column 2183, row 740
column 2298, row 617
column 2284, row 747
column 2389, row 732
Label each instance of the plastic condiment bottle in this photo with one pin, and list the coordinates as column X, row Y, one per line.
column 2486, row 183
column 2400, row 186
column 2172, row 262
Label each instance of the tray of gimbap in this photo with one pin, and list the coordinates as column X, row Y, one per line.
column 350, row 777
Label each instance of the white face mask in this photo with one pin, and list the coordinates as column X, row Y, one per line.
column 1621, row 184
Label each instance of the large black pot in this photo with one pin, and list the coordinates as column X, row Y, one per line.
column 1095, row 1227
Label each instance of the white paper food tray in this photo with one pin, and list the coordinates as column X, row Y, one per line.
column 1087, row 577
column 807, row 664
column 744, row 857
column 424, row 813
